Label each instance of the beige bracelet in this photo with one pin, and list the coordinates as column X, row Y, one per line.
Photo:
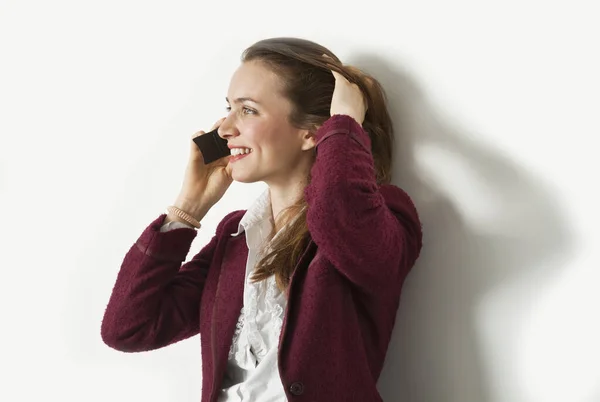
column 183, row 215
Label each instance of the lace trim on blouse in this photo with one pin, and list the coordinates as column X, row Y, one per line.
column 238, row 346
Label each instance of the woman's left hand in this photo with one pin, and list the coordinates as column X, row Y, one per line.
column 347, row 99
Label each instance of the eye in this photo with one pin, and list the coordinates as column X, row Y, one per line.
column 245, row 110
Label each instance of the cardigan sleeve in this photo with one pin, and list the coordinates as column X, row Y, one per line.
column 155, row 300
column 370, row 239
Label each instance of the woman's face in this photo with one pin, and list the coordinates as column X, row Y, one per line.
column 258, row 119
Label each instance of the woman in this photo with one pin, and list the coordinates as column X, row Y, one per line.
column 295, row 299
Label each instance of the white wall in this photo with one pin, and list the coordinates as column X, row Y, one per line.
column 496, row 108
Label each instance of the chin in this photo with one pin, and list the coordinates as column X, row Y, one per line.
column 243, row 178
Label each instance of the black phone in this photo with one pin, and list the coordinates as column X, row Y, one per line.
column 212, row 146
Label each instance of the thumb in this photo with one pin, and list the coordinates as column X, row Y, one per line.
column 228, row 167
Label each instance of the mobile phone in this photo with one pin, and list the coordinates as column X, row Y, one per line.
column 212, row 146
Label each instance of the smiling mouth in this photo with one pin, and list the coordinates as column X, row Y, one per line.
column 238, row 157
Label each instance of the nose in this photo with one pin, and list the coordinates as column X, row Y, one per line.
column 227, row 129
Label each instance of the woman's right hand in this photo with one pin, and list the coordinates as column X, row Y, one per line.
column 203, row 185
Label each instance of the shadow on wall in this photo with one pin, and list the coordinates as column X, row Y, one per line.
column 435, row 353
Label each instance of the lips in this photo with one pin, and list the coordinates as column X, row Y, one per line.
column 238, row 157
column 231, row 146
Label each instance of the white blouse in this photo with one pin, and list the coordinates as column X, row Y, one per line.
column 252, row 372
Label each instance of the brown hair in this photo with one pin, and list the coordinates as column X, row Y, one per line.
column 308, row 83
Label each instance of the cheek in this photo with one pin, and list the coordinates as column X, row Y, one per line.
column 265, row 139
column 279, row 148
column 269, row 139
column 256, row 134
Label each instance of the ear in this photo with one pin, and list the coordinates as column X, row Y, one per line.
column 308, row 140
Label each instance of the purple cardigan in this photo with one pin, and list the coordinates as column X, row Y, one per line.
column 343, row 295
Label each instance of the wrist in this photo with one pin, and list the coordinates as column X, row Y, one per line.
column 174, row 218
column 194, row 208
column 349, row 113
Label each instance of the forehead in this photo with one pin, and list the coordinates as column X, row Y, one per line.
column 254, row 80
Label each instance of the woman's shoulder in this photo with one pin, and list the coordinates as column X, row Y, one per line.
column 229, row 223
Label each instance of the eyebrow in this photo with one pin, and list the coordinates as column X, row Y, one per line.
column 239, row 100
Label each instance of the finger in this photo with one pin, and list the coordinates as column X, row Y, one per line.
column 228, row 167
column 218, row 123
column 338, row 76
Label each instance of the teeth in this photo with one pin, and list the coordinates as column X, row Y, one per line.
column 240, row 151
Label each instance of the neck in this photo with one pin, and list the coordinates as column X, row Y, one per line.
column 288, row 189
column 284, row 197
